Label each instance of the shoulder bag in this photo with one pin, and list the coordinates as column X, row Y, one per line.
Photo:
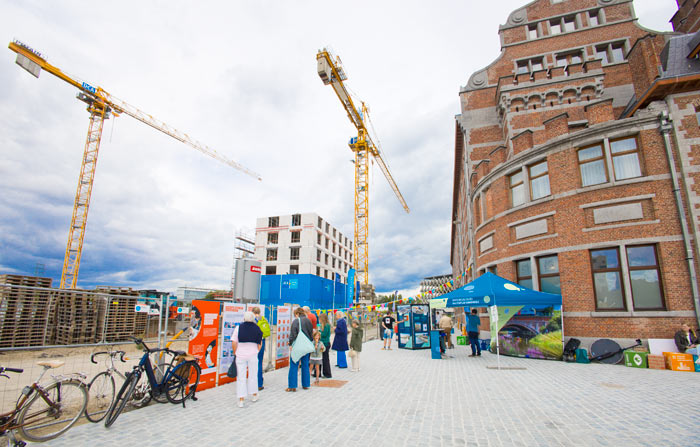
column 301, row 346
column 232, row 372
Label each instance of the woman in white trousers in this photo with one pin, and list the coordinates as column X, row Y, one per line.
column 247, row 340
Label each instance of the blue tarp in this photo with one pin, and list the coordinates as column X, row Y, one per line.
column 490, row 290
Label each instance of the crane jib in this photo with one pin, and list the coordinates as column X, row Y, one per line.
column 89, row 87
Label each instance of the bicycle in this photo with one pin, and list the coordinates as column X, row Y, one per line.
column 44, row 412
column 102, row 388
column 179, row 381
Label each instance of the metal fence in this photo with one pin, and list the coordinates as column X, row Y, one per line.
column 39, row 323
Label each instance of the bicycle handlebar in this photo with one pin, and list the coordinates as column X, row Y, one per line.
column 112, row 353
column 14, row 370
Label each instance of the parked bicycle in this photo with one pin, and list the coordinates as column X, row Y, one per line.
column 102, row 387
column 178, row 382
column 44, row 412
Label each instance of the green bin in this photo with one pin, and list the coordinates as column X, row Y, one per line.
column 461, row 340
column 635, row 359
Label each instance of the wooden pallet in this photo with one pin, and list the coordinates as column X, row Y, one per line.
column 27, row 316
column 116, row 315
column 76, row 316
column 22, row 280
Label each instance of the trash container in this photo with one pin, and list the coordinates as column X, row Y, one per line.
column 435, row 345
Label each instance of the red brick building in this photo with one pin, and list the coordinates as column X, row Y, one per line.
column 576, row 155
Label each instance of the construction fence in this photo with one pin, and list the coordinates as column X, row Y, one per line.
column 40, row 323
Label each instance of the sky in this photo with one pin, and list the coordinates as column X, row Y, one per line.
column 239, row 76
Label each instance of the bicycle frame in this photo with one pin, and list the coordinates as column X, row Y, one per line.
column 11, row 417
column 146, row 365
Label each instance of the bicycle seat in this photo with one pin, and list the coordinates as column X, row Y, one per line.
column 179, row 352
column 51, row 363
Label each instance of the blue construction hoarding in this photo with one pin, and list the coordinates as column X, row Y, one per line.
column 304, row 290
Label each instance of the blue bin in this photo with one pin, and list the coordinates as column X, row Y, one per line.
column 435, row 345
column 485, row 344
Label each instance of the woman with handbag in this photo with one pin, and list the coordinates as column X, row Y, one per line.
column 326, row 340
column 340, row 341
column 356, row 344
column 247, row 340
column 300, row 335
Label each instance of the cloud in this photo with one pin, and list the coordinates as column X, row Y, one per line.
column 241, row 78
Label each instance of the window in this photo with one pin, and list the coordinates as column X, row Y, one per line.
column 318, row 271
column 477, row 210
column 594, row 18
column 272, row 238
column 530, row 65
column 607, row 279
column 326, row 243
column 328, row 227
column 273, row 221
column 532, row 32
column 645, row 277
column 611, row 53
column 524, row 273
column 326, row 259
column 333, row 232
column 569, row 24
column 517, row 189
column 294, row 269
column 325, row 273
column 548, row 270
column 271, row 254
column 271, row 270
column 318, row 255
column 294, row 253
column 539, row 180
column 296, row 237
column 296, row 220
column 564, row 59
column 318, row 239
column 333, row 247
column 591, row 162
column 493, row 269
column 320, row 222
column 625, row 156
column 555, row 26
column 333, row 262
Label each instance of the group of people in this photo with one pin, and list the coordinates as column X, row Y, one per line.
column 249, row 348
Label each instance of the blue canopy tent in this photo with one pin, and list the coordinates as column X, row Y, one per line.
column 539, row 330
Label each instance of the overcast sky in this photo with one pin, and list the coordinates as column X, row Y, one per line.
column 239, row 76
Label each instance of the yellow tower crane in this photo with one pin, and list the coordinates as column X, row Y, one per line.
column 331, row 72
column 101, row 106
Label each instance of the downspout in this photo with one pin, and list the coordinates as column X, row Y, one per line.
column 666, row 127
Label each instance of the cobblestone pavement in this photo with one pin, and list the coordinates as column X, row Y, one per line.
column 403, row 397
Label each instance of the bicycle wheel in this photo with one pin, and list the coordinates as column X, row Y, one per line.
column 42, row 419
column 100, row 396
column 142, row 395
column 182, row 382
column 123, row 396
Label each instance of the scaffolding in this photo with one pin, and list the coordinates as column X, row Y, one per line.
column 243, row 247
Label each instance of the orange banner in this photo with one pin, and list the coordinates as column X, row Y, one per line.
column 204, row 333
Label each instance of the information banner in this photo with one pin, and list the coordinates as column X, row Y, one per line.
column 204, row 332
column 231, row 317
column 284, row 326
column 259, row 306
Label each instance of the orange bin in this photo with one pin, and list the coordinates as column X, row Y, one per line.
column 679, row 362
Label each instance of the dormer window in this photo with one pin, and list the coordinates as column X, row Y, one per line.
column 530, row 65
column 594, row 18
column 564, row 59
column 532, row 32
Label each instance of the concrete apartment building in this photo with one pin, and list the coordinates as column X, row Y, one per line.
column 302, row 244
column 576, row 155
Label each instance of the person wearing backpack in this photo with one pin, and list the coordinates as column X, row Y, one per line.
column 265, row 328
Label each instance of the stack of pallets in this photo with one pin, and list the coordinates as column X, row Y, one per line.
column 76, row 316
column 26, row 311
column 117, row 316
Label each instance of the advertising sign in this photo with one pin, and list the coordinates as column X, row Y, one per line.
column 255, row 269
column 350, row 289
column 284, row 326
column 204, row 332
column 231, row 317
column 530, row 331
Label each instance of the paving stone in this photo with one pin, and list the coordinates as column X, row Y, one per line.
column 403, row 397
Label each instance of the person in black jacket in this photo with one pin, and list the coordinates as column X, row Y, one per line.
column 686, row 340
column 307, row 329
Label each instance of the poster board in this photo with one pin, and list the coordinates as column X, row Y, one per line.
column 204, row 333
column 232, row 316
column 284, row 326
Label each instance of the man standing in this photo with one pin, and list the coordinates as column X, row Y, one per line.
column 686, row 340
column 388, row 325
column 473, row 322
column 265, row 328
column 311, row 316
column 445, row 325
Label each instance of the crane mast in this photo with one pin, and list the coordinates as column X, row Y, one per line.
column 331, row 72
column 101, row 106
